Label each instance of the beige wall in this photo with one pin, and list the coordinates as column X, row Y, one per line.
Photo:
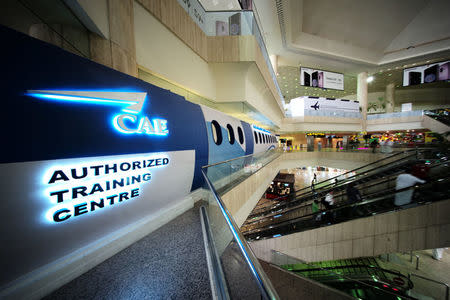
column 160, row 51
column 222, row 69
column 418, row 228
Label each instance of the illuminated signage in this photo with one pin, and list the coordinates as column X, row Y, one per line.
column 78, row 189
column 127, row 122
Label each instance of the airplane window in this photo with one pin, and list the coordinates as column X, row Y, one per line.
column 216, row 132
column 230, row 134
column 240, row 135
column 256, row 137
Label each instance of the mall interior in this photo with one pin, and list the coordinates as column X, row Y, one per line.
column 265, row 149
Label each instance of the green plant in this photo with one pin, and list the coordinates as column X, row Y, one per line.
column 372, row 106
column 383, row 102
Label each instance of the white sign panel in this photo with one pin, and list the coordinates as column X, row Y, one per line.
column 427, row 73
column 298, row 106
column 321, row 79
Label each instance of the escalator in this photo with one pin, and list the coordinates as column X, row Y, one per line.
column 377, row 186
column 395, row 163
column 361, row 278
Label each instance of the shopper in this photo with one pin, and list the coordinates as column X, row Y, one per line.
column 329, row 200
column 315, row 206
column 374, row 145
column 353, row 194
column 319, row 145
column 403, row 181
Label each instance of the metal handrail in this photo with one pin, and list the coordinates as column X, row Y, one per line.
column 294, row 220
column 217, row 277
column 303, row 204
column 264, row 284
column 435, row 281
column 385, row 158
column 232, row 159
column 324, row 189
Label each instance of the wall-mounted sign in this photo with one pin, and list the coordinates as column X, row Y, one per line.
column 298, row 106
column 426, row 73
column 132, row 103
column 321, row 79
column 83, row 188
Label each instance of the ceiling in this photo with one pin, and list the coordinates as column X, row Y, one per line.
column 288, row 80
column 349, row 36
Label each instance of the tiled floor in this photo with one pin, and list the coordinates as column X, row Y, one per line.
column 169, row 263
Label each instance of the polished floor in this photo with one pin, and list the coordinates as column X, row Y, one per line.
column 169, row 263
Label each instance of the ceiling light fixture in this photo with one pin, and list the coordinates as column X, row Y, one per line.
column 369, row 79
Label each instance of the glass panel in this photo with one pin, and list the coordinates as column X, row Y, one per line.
column 225, row 176
column 240, row 278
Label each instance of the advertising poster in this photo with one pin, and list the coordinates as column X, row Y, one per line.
column 321, row 79
column 426, row 73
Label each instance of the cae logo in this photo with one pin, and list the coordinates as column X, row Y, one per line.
column 124, row 123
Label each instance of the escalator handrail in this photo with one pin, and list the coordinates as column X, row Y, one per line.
column 286, row 222
column 265, row 286
column 341, row 183
column 260, row 219
column 356, row 169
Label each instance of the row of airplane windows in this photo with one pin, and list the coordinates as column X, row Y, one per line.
column 260, row 138
column 264, row 138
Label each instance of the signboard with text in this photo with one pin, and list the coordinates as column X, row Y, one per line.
column 321, row 79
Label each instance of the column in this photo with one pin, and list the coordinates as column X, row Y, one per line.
column 362, row 98
column 389, row 96
column 119, row 52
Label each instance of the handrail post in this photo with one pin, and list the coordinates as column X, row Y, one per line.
column 417, row 262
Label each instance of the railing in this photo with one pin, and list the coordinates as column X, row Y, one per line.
column 227, row 174
column 435, row 190
column 244, row 275
column 412, row 113
column 334, row 114
column 355, row 173
column 447, row 288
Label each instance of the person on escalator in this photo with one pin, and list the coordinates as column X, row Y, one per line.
column 403, row 181
column 328, row 202
column 353, row 197
column 353, row 194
